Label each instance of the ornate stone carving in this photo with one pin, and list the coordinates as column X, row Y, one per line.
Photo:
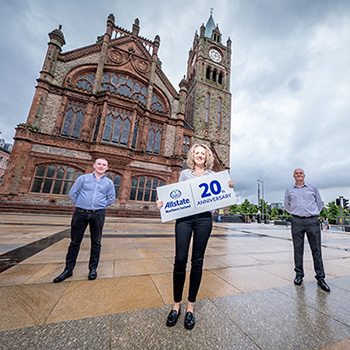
column 140, row 65
column 118, row 57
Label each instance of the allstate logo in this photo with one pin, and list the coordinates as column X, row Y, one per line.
column 175, row 194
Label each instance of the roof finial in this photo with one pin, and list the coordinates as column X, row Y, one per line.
column 211, row 10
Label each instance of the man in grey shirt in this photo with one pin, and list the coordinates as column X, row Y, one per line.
column 304, row 202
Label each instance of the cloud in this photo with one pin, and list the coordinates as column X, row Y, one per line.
column 289, row 76
column 290, row 106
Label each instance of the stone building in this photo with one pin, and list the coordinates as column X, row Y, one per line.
column 112, row 100
column 5, row 150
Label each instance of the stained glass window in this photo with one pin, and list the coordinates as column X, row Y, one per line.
column 54, row 179
column 73, row 120
column 154, row 138
column 144, row 189
column 117, row 126
column 116, row 181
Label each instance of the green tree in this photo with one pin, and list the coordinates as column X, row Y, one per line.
column 245, row 208
column 254, row 209
column 233, row 209
column 333, row 212
column 274, row 212
column 324, row 211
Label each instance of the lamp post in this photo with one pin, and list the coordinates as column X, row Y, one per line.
column 263, row 202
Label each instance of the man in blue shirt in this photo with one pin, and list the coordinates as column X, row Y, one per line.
column 91, row 195
column 304, row 202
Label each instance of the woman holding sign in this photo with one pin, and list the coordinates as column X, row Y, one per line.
column 200, row 161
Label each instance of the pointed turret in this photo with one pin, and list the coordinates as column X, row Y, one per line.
column 210, row 26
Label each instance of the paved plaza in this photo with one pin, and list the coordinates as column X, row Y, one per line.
column 247, row 299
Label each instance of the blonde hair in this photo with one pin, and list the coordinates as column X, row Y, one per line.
column 209, row 158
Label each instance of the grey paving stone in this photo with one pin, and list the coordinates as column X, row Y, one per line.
column 335, row 304
column 83, row 334
column 274, row 320
column 146, row 329
column 343, row 283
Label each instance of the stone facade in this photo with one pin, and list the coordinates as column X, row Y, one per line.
column 112, row 100
column 5, row 150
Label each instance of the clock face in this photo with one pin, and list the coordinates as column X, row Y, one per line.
column 215, row 55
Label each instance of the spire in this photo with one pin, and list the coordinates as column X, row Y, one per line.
column 210, row 26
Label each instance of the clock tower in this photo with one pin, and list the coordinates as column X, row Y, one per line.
column 208, row 101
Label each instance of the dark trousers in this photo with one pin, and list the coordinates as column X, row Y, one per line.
column 80, row 220
column 311, row 227
column 201, row 226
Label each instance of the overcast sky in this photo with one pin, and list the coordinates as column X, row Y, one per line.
column 290, row 78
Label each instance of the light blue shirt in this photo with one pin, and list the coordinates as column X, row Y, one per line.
column 303, row 201
column 188, row 174
column 91, row 193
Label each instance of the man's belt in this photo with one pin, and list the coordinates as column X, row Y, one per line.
column 304, row 217
column 89, row 210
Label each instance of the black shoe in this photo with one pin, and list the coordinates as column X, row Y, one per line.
column 65, row 274
column 172, row 317
column 324, row 286
column 298, row 280
column 189, row 320
column 92, row 274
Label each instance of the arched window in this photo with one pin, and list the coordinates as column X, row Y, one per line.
column 123, row 85
column 1, row 177
column 214, row 75
column 156, row 104
column 73, row 120
column 126, row 88
column 54, row 179
column 186, row 144
column 117, row 126
column 220, row 78
column 116, row 181
column 207, row 106
column 154, row 138
column 86, row 82
column 219, row 110
column 207, row 75
column 144, row 189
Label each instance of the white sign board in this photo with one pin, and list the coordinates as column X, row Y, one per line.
column 195, row 196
